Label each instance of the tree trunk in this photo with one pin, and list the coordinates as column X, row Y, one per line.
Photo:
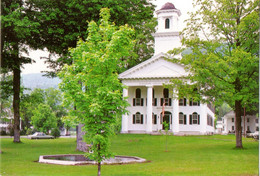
column 99, row 168
column 81, row 145
column 16, row 98
column 238, row 113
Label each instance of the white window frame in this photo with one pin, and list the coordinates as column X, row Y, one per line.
column 181, row 118
column 195, row 118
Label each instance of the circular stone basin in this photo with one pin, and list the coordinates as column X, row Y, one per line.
column 81, row 160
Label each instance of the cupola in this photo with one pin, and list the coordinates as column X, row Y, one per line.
column 167, row 34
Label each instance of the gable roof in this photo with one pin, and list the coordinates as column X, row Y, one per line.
column 156, row 67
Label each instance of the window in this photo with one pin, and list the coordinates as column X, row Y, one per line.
column 166, row 99
column 167, row 23
column 210, row 120
column 248, row 128
column 182, row 118
column 247, row 120
column 233, row 119
column 138, row 118
column 154, row 119
column 194, row 103
column 138, row 101
column 256, row 120
column 138, row 93
column 154, row 100
column 182, row 102
column 165, row 93
column 233, row 128
column 257, row 128
column 194, row 118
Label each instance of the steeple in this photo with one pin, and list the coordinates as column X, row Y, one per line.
column 167, row 34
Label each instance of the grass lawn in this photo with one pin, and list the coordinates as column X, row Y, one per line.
column 187, row 155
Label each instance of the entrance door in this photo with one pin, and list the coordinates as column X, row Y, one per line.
column 166, row 119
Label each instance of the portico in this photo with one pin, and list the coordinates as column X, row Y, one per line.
column 147, row 96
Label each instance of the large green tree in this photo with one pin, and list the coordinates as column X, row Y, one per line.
column 43, row 118
column 28, row 104
column 98, row 98
column 51, row 97
column 63, row 22
column 222, row 41
column 16, row 31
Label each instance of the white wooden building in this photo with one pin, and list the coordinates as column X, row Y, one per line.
column 146, row 93
column 249, row 123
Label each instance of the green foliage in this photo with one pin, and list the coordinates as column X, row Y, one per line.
column 91, row 82
column 63, row 22
column 51, row 97
column 55, row 132
column 221, row 40
column 69, row 122
column 43, row 118
column 222, row 110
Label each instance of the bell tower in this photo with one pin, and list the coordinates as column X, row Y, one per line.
column 167, row 35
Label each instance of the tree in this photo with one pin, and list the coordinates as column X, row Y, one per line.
column 54, row 98
column 98, row 99
column 63, row 22
column 223, row 64
column 16, row 32
column 28, row 104
column 51, row 97
column 43, row 118
column 68, row 122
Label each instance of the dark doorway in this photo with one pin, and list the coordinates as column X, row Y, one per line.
column 167, row 118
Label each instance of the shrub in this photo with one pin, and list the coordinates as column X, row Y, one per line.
column 55, row 133
column 3, row 133
column 29, row 131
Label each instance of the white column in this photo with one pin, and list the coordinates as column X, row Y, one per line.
column 125, row 116
column 149, row 109
column 175, row 116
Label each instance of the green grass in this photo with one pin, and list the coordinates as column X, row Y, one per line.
column 190, row 155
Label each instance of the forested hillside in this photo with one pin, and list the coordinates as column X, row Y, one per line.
column 37, row 80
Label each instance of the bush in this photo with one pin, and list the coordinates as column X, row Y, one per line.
column 29, row 131
column 3, row 133
column 23, row 132
column 55, row 133
column 117, row 126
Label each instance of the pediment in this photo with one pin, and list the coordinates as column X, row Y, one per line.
column 155, row 67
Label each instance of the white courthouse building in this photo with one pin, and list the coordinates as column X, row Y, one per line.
column 146, row 93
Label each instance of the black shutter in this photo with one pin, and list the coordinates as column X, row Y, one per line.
column 191, row 102
column 155, row 102
column 142, row 102
column 190, row 119
column 170, row 102
column 185, row 120
column 142, row 119
column 146, row 101
column 198, row 103
column 198, row 119
column 161, row 101
column 184, row 99
column 134, row 119
column 133, row 101
column 155, row 119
